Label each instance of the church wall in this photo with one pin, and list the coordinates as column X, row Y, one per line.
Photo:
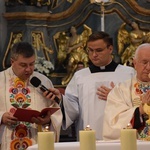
column 3, row 27
column 26, row 19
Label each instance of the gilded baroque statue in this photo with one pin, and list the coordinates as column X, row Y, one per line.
column 39, row 44
column 61, row 41
column 16, row 38
column 72, row 50
column 40, row 3
column 129, row 41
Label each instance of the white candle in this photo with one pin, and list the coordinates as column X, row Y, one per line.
column 102, row 17
column 102, row 22
column 128, row 139
column 87, row 139
column 45, row 140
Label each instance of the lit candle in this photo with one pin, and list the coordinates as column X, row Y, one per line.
column 45, row 140
column 128, row 139
column 87, row 139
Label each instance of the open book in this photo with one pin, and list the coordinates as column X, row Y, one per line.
column 27, row 114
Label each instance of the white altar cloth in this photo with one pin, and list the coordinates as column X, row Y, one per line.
column 100, row 145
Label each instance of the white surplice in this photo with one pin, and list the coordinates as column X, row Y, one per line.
column 81, row 102
column 35, row 100
column 120, row 109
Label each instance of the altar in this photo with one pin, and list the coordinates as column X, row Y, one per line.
column 100, row 145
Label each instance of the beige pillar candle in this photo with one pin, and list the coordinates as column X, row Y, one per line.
column 128, row 139
column 45, row 140
column 87, row 139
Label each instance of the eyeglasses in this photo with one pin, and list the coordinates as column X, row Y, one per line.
column 96, row 51
column 144, row 63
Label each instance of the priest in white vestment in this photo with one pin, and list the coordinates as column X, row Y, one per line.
column 128, row 102
column 16, row 91
column 85, row 99
column 81, row 103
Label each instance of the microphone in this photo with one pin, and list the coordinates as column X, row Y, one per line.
column 36, row 82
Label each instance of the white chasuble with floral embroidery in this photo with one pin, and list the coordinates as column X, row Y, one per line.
column 16, row 93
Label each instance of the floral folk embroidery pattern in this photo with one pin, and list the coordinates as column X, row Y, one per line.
column 20, row 97
column 141, row 88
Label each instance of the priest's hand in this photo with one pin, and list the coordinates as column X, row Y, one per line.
column 42, row 120
column 145, row 98
column 103, row 91
column 9, row 119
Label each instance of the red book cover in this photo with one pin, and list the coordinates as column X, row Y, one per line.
column 27, row 114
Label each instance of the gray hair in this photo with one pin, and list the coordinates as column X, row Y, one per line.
column 140, row 48
column 22, row 48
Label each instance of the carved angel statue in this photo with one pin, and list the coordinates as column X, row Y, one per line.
column 61, row 42
column 72, row 50
column 129, row 41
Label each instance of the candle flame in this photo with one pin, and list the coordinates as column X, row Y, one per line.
column 129, row 126
column 88, row 128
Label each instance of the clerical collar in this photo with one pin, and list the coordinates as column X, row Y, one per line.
column 102, row 67
column 109, row 68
